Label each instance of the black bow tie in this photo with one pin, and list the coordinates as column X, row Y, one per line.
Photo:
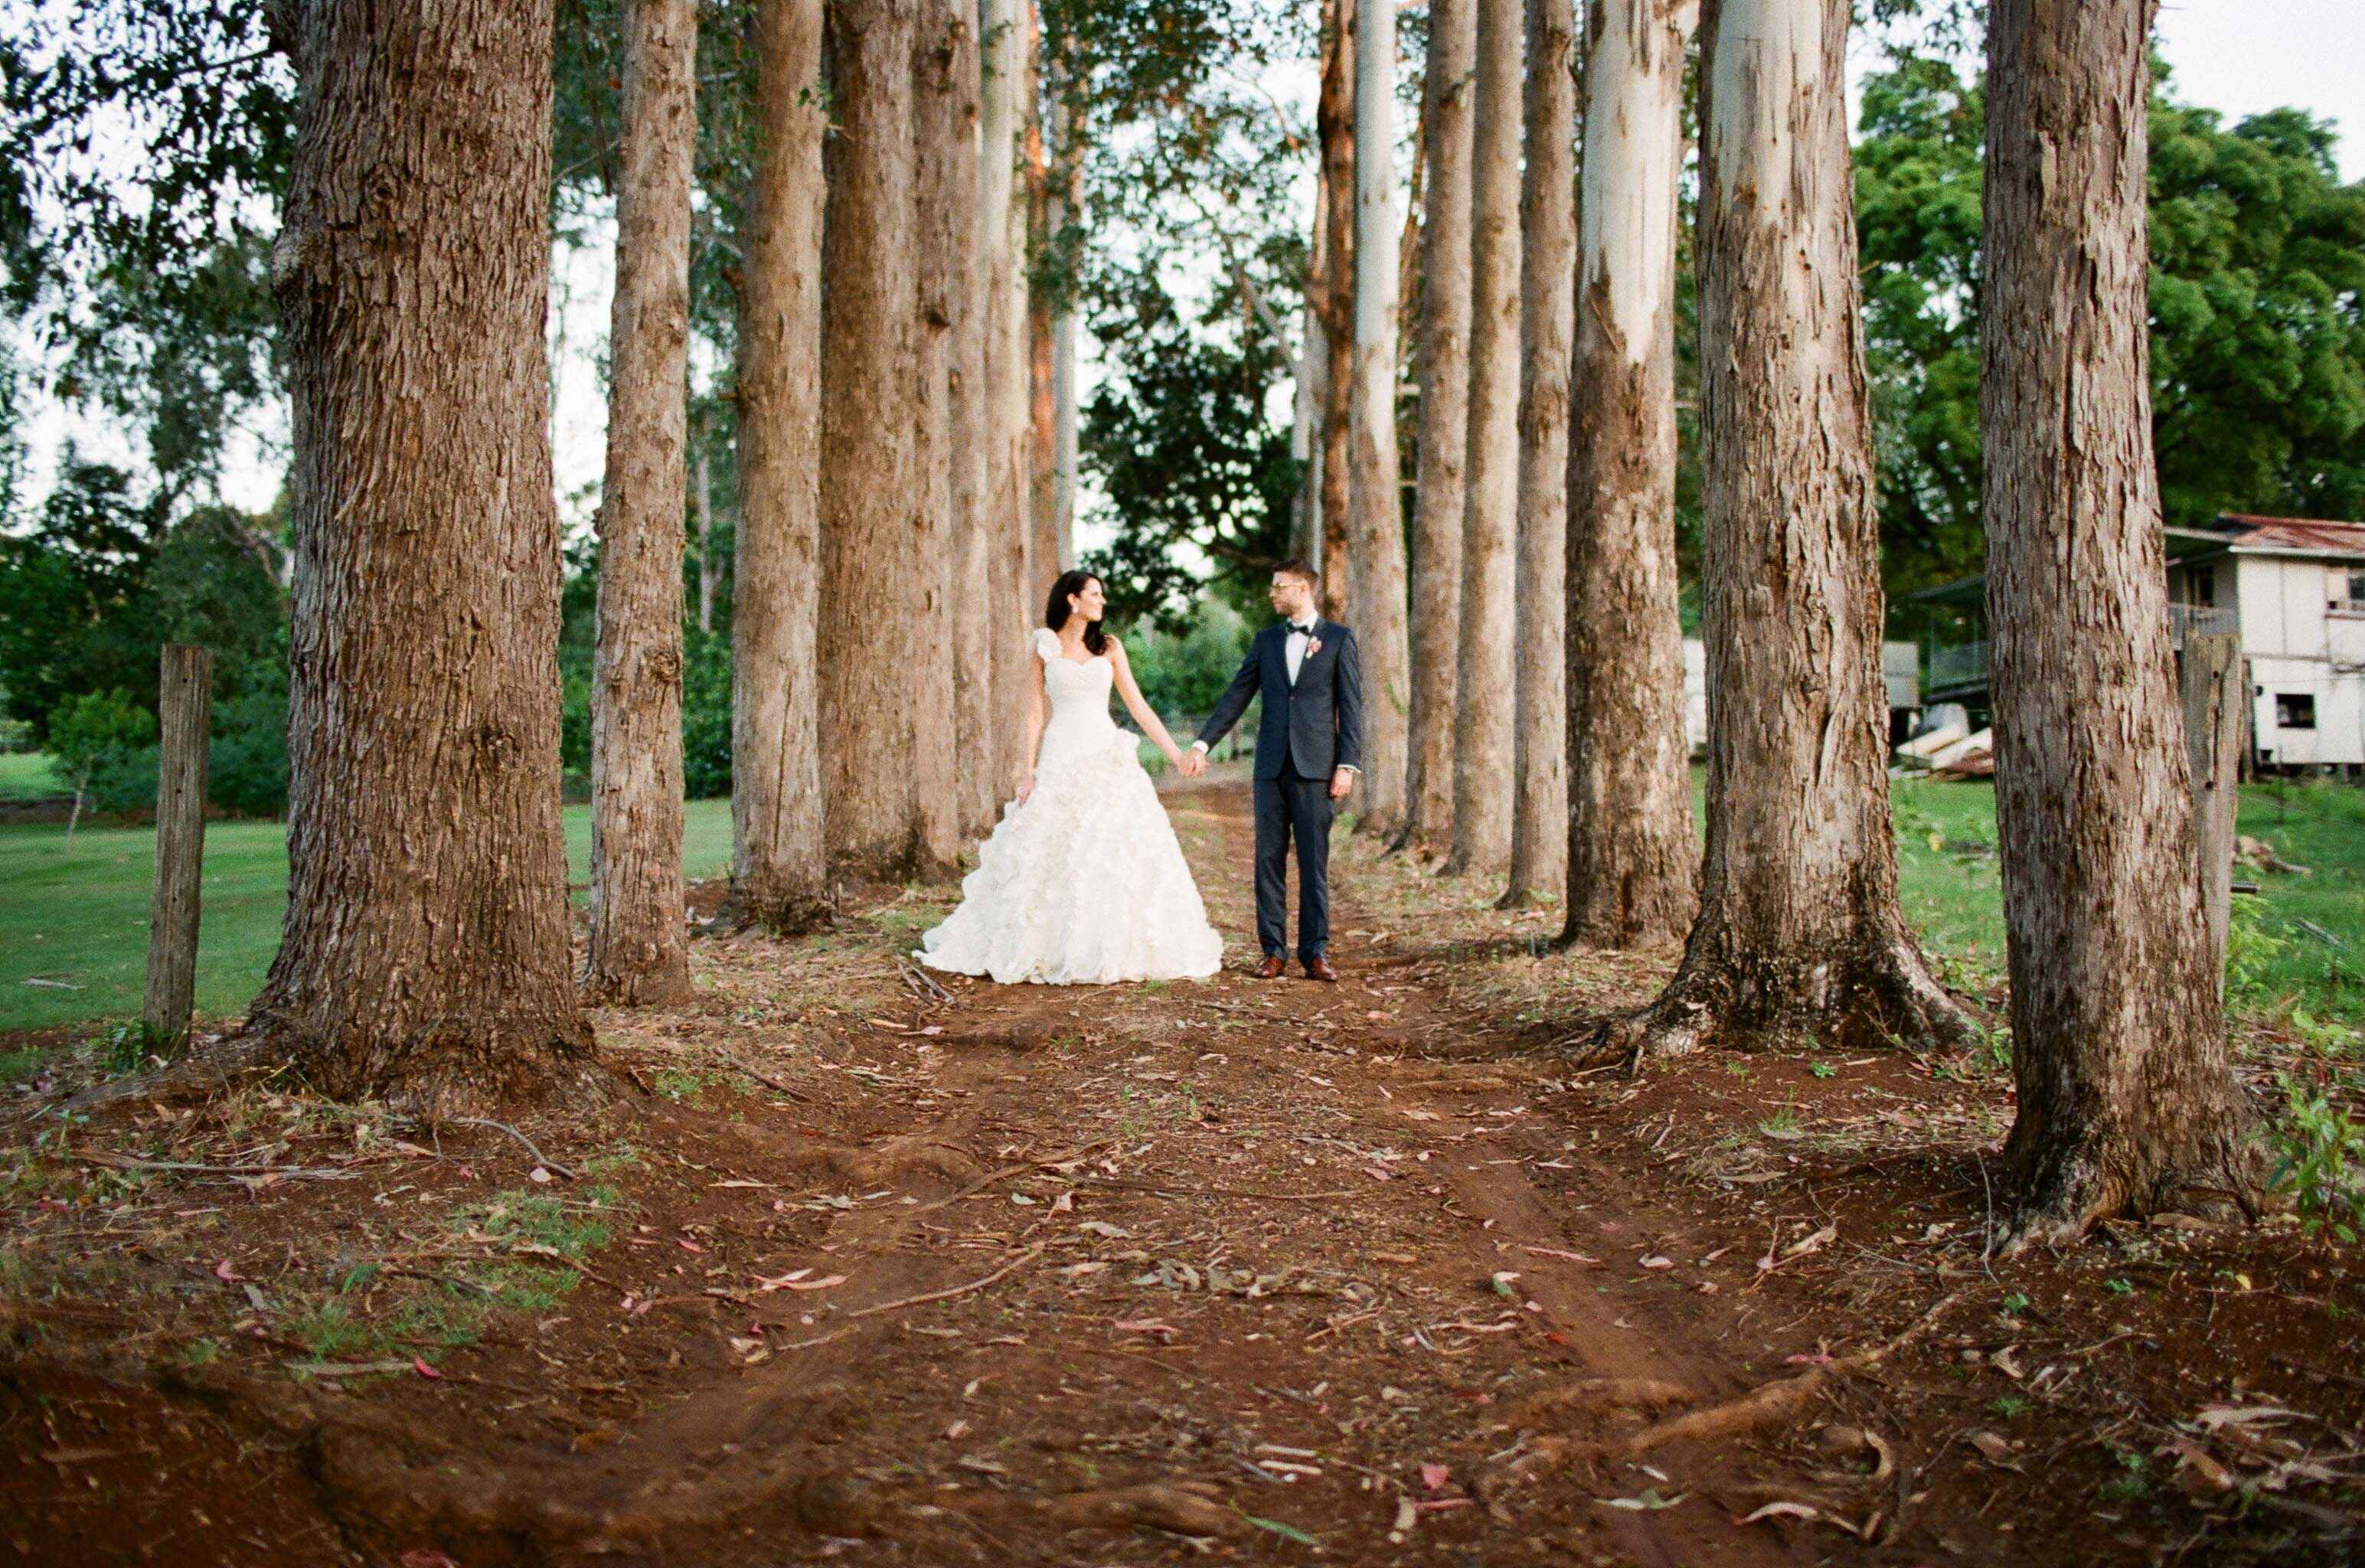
column 1306, row 629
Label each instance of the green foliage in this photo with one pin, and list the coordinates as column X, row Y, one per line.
column 706, row 716
column 2319, row 1153
column 2258, row 297
column 1185, row 674
column 99, row 731
column 2253, row 949
column 1190, row 460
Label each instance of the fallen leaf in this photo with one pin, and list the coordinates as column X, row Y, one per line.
column 222, row 1270
column 1994, row 1447
column 537, row 1175
column 1149, row 1325
column 2198, row 1472
column 1655, row 1261
column 1434, row 1477
column 1781, row 1511
column 1287, row 1532
column 2002, row 1360
column 419, row 1364
column 1647, row 1502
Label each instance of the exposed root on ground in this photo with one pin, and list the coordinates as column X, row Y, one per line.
column 1884, row 994
column 1776, row 1403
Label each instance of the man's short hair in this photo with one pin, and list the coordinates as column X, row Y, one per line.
column 1302, row 569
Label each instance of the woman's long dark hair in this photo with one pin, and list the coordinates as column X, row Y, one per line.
column 1055, row 613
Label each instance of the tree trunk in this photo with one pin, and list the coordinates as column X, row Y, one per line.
column 942, row 211
column 1060, row 214
column 1377, row 545
column 1005, row 392
column 970, row 432
column 1044, row 557
column 1442, row 369
column 639, row 952
column 425, row 953
column 184, row 734
column 1634, row 851
column 1335, row 127
column 780, row 874
column 2126, row 1095
column 701, row 502
column 1548, row 237
column 1486, row 672
column 1305, row 424
column 874, row 532
column 1800, row 933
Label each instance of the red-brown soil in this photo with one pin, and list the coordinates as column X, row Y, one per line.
column 1230, row 1271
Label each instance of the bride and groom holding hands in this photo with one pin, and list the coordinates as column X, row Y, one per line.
column 1083, row 882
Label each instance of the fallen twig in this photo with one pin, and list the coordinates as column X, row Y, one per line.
column 132, row 1162
column 1026, row 1257
column 539, row 1159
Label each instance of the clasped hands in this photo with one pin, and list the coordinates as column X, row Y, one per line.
column 1194, row 762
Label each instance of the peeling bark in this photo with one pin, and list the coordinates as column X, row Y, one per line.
column 1335, row 127
column 874, row 532
column 1005, row 394
column 1487, row 669
column 1800, row 932
column 1634, row 851
column 1548, row 237
column 1376, row 545
column 941, row 203
column 424, row 957
column 1442, row 371
column 639, row 953
column 2126, row 1094
column 968, row 427
column 779, row 875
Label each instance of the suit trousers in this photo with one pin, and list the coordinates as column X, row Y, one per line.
column 1285, row 807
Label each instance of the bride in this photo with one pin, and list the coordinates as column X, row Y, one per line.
column 1082, row 882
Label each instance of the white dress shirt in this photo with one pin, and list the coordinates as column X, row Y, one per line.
column 1301, row 635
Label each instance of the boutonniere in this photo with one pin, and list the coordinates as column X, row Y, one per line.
column 1313, row 645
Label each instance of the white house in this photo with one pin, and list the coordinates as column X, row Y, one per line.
column 2294, row 588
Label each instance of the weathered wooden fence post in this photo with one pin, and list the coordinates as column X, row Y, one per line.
column 2214, row 690
column 184, row 711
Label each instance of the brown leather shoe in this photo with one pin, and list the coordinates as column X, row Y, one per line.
column 1319, row 968
column 1272, row 967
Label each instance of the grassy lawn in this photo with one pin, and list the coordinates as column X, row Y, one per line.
column 83, row 919
column 30, row 776
column 1954, row 897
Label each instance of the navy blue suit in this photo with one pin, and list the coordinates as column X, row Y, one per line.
column 1308, row 730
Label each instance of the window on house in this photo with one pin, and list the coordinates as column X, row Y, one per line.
column 2203, row 585
column 2355, row 593
column 2294, row 710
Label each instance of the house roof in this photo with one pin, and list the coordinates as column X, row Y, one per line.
column 2253, row 535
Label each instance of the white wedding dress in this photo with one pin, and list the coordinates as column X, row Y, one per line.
column 1082, row 882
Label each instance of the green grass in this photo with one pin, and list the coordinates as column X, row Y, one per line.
column 83, row 919
column 30, row 776
column 1954, row 897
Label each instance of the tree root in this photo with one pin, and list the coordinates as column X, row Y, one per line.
column 1883, row 994
column 1599, row 1393
column 1772, row 1404
column 1185, row 1507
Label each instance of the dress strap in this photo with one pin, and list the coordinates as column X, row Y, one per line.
column 1046, row 644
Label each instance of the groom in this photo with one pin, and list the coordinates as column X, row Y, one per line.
column 1309, row 747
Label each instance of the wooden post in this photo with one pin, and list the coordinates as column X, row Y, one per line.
column 184, row 710
column 2211, row 682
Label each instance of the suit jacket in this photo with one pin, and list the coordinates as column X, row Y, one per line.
column 1316, row 725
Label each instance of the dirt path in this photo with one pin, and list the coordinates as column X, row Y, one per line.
column 1304, row 1247
column 1263, row 1271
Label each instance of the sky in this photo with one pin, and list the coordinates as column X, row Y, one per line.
column 2237, row 56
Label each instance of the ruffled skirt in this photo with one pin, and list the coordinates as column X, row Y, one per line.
column 1082, row 883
